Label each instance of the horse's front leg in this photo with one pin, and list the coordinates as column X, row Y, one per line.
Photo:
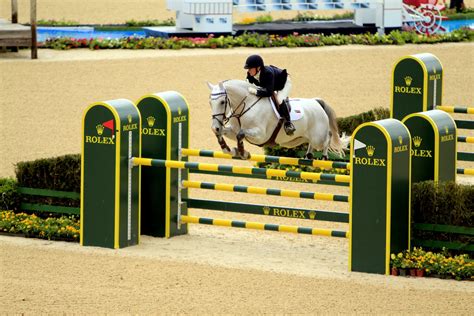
column 225, row 148
column 243, row 154
column 229, row 133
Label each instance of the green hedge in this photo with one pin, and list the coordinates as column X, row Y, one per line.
column 444, row 203
column 61, row 173
column 9, row 196
column 349, row 124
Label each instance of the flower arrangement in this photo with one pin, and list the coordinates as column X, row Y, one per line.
column 259, row 40
column 418, row 262
column 30, row 225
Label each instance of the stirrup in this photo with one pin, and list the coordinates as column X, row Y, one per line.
column 289, row 128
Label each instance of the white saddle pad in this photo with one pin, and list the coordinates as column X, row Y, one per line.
column 296, row 110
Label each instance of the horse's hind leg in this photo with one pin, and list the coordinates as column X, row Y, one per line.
column 327, row 142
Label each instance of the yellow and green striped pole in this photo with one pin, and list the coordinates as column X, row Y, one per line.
column 269, row 159
column 465, row 171
column 465, row 139
column 264, row 191
column 456, row 109
column 261, row 226
column 313, row 176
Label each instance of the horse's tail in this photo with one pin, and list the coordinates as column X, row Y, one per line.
column 337, row 144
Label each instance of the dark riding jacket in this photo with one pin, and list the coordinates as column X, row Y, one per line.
column 271, row 79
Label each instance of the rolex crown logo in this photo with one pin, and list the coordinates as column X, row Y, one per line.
column 312, row 214
column 417, row 141
column 370, row 150
column 179, row 111
column 266, row 210
column 408, row 80
column 400, row 140
column 151, row 121
column 100, row 129
column 446, row 129
column 129, row 117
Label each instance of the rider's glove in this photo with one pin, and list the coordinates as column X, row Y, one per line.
column 252, row 90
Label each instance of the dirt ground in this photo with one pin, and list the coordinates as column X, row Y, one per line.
column 218, row 270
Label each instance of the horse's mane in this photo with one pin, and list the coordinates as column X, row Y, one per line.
column 240, row 85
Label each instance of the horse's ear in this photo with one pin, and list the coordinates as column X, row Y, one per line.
column 221, row 86
column 210, row 85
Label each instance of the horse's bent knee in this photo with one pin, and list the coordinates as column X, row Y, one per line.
column 240, row 135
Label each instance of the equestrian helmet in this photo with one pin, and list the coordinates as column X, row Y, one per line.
column 253, row 61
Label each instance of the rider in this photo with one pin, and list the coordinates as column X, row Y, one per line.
column 271, row 79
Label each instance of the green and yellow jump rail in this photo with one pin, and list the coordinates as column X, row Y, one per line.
column 264, row 191
column 261, row 226
column 314, row 176
column 455, row 109
column 269, row 159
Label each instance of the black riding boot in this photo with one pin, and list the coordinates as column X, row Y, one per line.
column 284, row 111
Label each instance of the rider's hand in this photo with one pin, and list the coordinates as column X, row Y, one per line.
column 252, row 90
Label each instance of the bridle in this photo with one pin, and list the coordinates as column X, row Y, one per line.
column 234, row 113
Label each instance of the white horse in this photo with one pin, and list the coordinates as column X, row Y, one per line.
column 238, row 114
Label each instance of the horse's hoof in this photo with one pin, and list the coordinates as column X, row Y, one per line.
column 245, row 155
column 227, row 151
column 234, row 152
column 309, row 156
column 324, row 157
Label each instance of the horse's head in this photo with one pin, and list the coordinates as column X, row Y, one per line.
column 219, row 102
column 227, row 100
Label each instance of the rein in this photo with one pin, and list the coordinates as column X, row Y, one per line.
column 233, row 114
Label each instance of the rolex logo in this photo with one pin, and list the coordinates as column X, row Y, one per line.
column 129, row 117
column 266, row 210
column 417, row 141
column 100, row 129
column 446, row 129
column 408, row 80
column 179, row 111
column 370, row 150
column 151, row 121
column 400, row 140
column 312, row 214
